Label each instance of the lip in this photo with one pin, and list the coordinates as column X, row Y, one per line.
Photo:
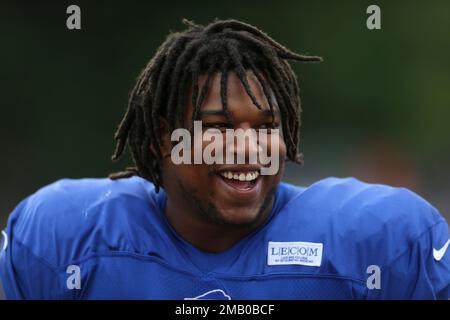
column 236, row 195
column 239, row 168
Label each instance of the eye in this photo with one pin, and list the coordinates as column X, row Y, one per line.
column 269, row 126
column 219, row 126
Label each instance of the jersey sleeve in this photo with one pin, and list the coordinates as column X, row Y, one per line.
column 421, row 272
column 24, row 275
column 52, row 235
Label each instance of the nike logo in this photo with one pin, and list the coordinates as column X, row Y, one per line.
column 438, row 254
column 5, row 244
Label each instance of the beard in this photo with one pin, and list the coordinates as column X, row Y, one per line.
column 209, row 212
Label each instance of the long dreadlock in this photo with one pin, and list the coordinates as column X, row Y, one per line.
column 222, row 46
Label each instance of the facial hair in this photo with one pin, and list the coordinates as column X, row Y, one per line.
column 208, row 211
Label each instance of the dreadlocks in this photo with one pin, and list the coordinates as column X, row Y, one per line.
column 222, row 46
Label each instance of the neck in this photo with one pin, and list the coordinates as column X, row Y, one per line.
column 205, row 235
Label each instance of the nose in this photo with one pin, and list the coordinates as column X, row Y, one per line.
column 243, row 145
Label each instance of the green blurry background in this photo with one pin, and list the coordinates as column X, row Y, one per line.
column 377, row 108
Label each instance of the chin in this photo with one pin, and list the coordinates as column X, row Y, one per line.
column 239, row 216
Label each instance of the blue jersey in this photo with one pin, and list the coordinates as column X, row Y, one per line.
column 337, row 239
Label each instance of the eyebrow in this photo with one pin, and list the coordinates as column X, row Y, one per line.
column 265, row 112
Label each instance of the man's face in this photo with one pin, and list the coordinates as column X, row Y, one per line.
column 207, row 190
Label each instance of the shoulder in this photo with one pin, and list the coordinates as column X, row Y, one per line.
column 357, row 203
column 370, row 206
column 361, row 220
column 73, row 218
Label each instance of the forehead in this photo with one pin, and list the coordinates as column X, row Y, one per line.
column 238, row 100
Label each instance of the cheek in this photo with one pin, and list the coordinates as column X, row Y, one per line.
column 193, row 178
column 281, row 160
column 282, row 148
column 273, row 142
column 278, row 146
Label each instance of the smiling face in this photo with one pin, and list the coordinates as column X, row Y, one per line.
column 216, row 193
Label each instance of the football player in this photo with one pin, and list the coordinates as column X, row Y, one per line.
column 160, row 230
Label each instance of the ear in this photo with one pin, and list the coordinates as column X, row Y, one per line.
column 165, row 144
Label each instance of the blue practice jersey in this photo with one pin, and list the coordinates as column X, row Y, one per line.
column 337, row 239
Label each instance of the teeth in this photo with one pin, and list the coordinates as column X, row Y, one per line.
column 241, row 176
